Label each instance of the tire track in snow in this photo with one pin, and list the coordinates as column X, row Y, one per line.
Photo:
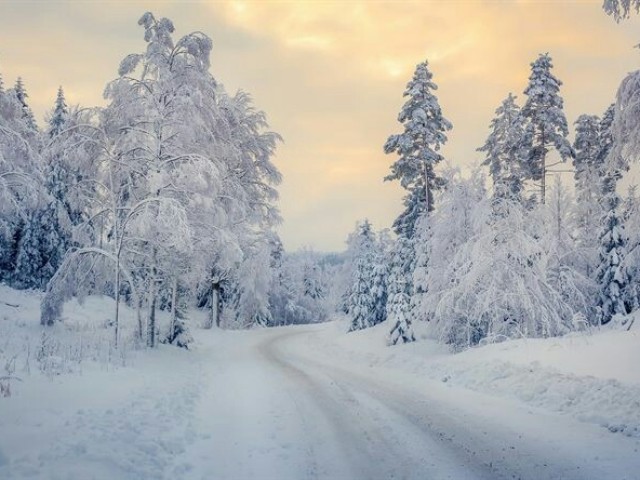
column 377, row 441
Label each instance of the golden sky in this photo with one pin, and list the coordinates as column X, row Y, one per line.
column 330, row 76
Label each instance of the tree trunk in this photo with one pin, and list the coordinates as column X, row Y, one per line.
column 151, row 326
column 117, row 295
column 426, row 188
column 174, row 310
column 214, row 312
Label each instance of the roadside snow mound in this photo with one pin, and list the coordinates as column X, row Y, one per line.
column 591, row 377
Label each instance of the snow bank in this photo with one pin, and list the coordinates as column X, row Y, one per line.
column 593, row 377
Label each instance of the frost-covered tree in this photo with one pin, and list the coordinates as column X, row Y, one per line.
column 399, row 291
column 362, row 301
column 545, row 123
column 379, row 285
column 498, row 281
column 20, row 178
column 59, row 116
column 418, row 146
column 612, row 275
column 565, row 266
column 183, row 193
column 27, row 113
column 588, row 170
column 47, row 230
column 503, row 149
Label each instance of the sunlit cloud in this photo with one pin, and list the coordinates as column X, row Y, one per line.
column 330, row 75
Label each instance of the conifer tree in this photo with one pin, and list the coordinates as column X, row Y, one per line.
column 418, row 147
column 379, row 288
column 546, row 126
column 362, row 301
column 612, row 276
column 399, row 291
column 503, row 149
column 27, row 114
column 59, row 116
column 588, row 172
column 46, row 235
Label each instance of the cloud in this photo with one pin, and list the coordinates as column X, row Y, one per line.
column 330, row 75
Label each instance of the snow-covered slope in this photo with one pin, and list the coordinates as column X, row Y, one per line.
column 592, row 377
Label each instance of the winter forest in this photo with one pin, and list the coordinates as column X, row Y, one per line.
column 143, row 236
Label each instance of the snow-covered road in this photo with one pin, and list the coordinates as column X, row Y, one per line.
column 274, row 404
column 287, row 410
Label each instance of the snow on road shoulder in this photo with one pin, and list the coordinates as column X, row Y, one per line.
column 83, row 409
column 591, row 377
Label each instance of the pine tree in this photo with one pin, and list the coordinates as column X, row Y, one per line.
column 420, row 267
column 424, row 134
column 362, row 301
column 503, row 149
column 379, row 288
column 399, row 291
column 47, row 231
column 414, row 203
column 588, row 173
column 546, row 126
column 59, row 116
column 27, row 114
column 612, row 276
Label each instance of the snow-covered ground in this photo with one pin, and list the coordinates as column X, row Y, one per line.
column 313, row 402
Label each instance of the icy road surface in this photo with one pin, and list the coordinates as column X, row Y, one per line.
column 272, row 404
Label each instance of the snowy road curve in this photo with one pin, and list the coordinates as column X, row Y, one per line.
column 290, row 411
column 273, row 404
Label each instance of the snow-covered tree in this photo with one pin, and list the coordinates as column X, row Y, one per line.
column 362, row 301
column 399, row 291
column 59, row 116
column 184, row 189
column 47, row 230
column 20, row 177
column 418, row 146
column 566, row 271
column 612, row 275
column 27, row 114
column 503, row 149
column 588, row 170
column 545, row 123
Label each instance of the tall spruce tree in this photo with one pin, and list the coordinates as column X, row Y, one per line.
column 546, row 126
column 503, row 149
column 418, row 146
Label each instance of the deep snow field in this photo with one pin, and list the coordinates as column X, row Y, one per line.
column 309, row 402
